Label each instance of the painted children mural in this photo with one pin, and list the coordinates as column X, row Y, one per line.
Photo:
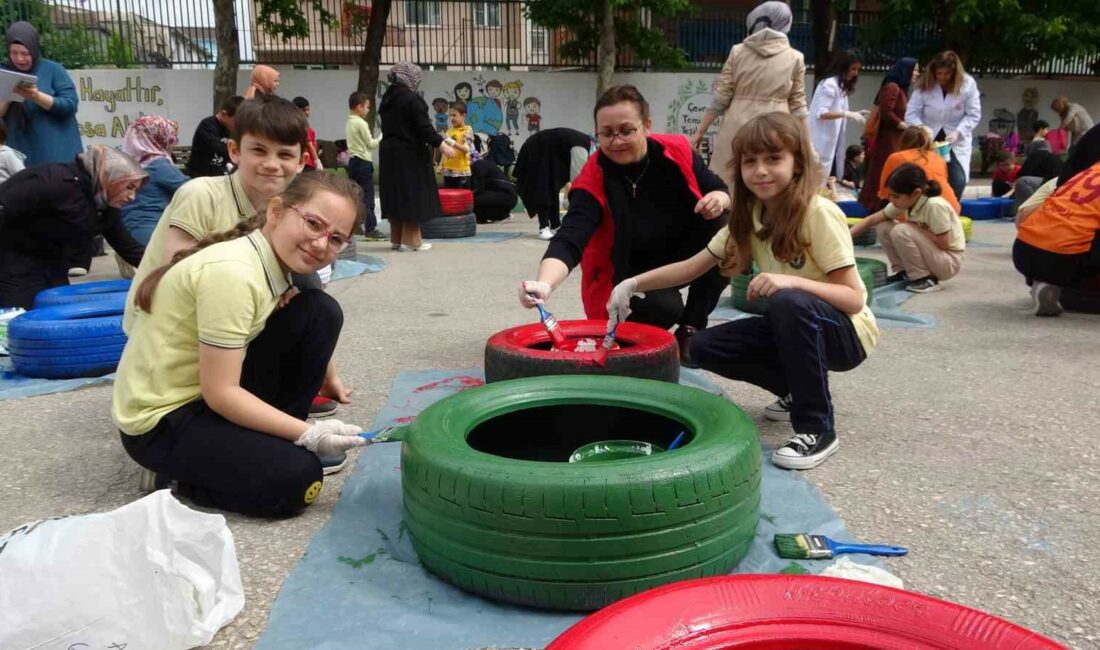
column 512, row 91
column 686, row 111
column 440, row 106
column 494, row 89
column 532, row 105
column 1026, row 117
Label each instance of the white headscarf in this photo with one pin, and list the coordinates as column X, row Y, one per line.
column 773, row 14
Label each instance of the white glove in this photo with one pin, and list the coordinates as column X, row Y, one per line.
column 618, row 306
column 856, row 117
column 540, row 290
column 447, row 150
column 318, row 164
column 331, row 437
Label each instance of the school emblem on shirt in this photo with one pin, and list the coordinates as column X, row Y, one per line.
column 312, row 492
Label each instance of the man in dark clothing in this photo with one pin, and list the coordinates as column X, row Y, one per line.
column 209, row 155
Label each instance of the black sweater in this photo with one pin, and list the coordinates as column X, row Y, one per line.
column 48, row 212
column 658, row 226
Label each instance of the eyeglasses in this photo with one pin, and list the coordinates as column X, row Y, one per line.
column 626, row 133
column 316, row 228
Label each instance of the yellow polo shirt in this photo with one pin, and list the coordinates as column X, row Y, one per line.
column 201, row 207
column 935, row 214
column 221, row 296
column 828, row 248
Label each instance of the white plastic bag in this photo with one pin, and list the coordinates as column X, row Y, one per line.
column 844, row 567
column 152, row 574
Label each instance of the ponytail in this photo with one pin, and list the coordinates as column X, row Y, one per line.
column 144, row 297
column 909, row 178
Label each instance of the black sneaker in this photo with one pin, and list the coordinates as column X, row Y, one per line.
column 900, row 276
column 333, row 464
column 779, row 410
column 923, row 285
column 683, row 339
column 375, row 235
column 805, row 450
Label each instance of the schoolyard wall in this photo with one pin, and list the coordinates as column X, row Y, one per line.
column 111, row 99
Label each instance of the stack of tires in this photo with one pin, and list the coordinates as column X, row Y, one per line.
column 73, row 331
column 458, row 218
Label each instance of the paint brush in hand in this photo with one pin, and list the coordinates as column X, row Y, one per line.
column 551, row 325
column 819, row 547
column 605, row 349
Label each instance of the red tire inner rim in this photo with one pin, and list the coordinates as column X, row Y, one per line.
column 634, row 339
column 783, row 612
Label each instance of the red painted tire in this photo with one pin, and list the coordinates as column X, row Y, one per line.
column 456, row 201
column 779, row 611
column 646, row 352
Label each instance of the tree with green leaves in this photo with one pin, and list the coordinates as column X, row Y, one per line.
column 995, row 33
column 609, row 28
column 287, row 19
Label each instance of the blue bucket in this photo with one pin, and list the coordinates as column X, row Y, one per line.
column 852, row 208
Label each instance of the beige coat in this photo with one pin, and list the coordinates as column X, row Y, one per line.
column 763, row 74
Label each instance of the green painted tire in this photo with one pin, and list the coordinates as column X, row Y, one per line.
column 579, row 536
column 873, row 273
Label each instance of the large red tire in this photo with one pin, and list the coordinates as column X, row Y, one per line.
column 456, row 201
column 780, row 611
column 645, row 351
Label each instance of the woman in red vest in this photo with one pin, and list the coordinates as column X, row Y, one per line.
column 642, row 201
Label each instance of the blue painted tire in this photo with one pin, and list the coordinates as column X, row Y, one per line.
column 981, row 209
column 84, row 292
column 96, row 359
column 55, row 355
column 81, row 320
column 852, row 209
column 64, row 345
column 66, row 371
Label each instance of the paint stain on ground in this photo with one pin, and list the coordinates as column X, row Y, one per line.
column 404, row 419
column 794, row 569
column 361, row 562
column 461, row 382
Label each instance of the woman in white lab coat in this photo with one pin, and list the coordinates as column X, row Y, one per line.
column 829, row 113
column 947, row 101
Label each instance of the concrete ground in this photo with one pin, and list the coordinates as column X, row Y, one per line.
column 970, row 443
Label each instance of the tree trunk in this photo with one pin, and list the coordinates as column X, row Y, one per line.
column 605, row 52
column 371, row 55
column 822, row 19
column 229, row 53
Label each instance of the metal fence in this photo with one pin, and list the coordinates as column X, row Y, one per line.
column 439, row 33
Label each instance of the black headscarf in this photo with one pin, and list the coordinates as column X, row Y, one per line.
column 901, row 74
column 1086, row 153
column 20, row 33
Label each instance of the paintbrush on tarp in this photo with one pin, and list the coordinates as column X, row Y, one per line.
column 819, row 547
column 385, row 434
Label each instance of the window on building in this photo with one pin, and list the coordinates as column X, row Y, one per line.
column 540, row 39
column 423, row 12
column 487, row 14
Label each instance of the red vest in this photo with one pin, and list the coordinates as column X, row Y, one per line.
column 597, row 267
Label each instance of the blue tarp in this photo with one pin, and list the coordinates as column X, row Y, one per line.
column 359, row 584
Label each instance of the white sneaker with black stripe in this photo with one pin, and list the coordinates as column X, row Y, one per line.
column 779, row 410
column 805, row 450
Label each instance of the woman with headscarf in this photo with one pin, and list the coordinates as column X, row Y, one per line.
column 265, row 81
column 49, row 211
column 763, row 74
column 149, row 141
column 947, row 101
column 43, row 125
column 891, row 100
column 406, row 178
